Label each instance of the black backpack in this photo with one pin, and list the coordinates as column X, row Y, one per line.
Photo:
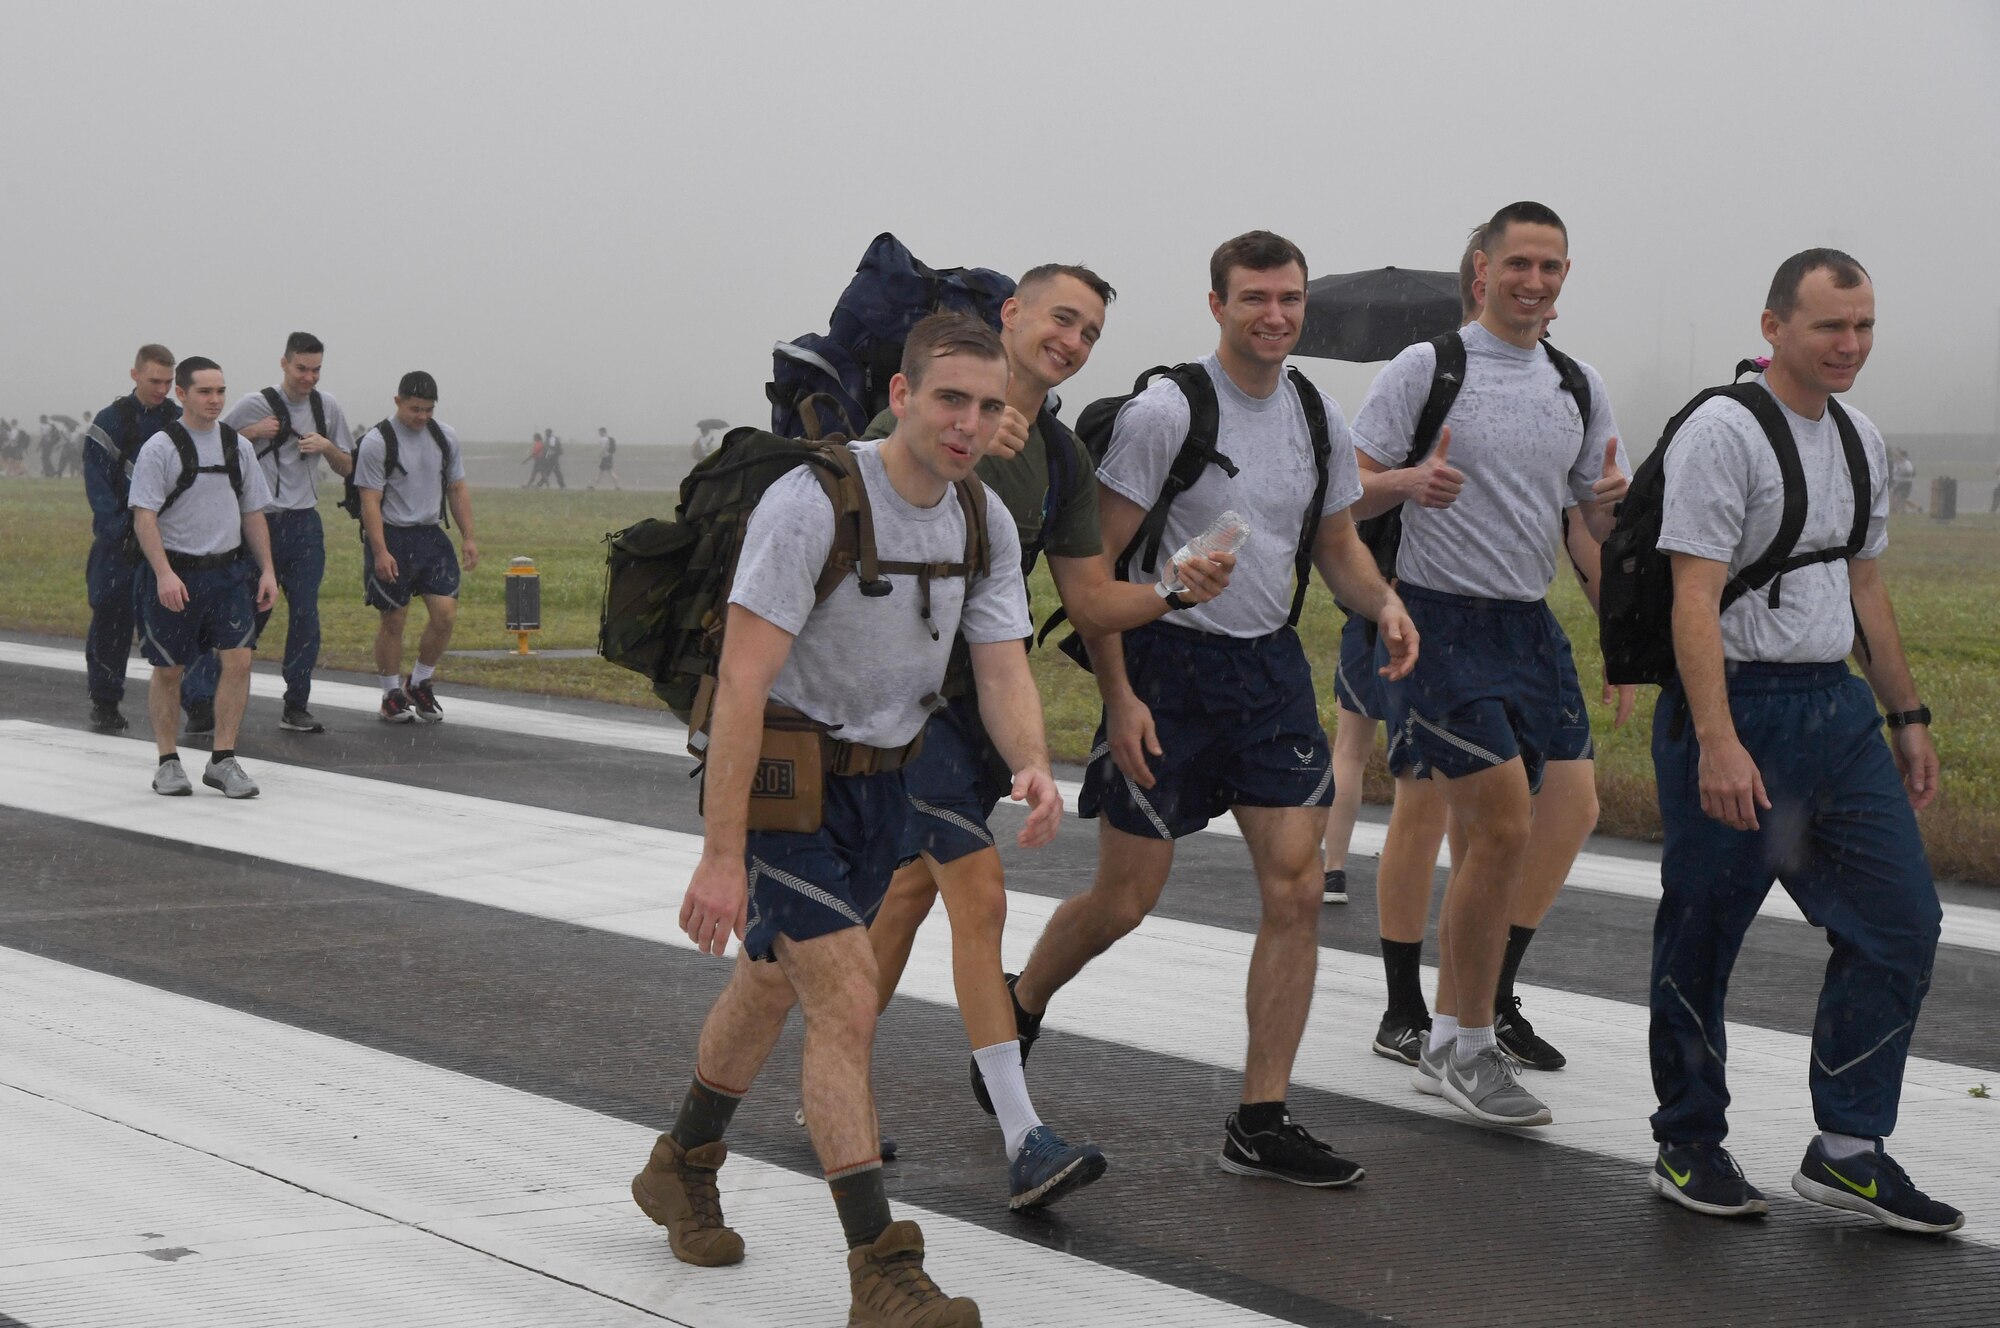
column 1383, row 534
column 282, row 412
column 392, row 464
column 1636, row 593
column 1198, row 451
column 191, row 467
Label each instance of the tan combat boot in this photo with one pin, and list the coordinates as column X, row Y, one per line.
column 677, row 1190
column 891, row 1289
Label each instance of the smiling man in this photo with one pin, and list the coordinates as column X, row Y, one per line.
column 294, row 425
column 1212, row 708
column 1043, row 475
column 866, row 666
column 1495, row 702
column 1771, row 765
column 198, row 503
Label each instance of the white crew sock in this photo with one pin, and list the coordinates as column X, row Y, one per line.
column 1000, row 1066
column 1472, row 1041
column 420, row 672
column 1838, row 1146
column 390, row 682
column 1444, row 1028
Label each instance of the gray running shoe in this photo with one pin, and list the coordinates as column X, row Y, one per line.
column 170, row 781
column 229, row 775
column 1428, row 1077
column 1486, row 1089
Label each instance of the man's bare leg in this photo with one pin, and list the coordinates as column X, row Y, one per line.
column 1492, row 808
column 1353, row 743
column 443, row 614
column 1131, row 873
column 1565, row 812
column 893, row 931
column 389, row 642
column 1403, row 903
column 1285, row 959
column 232, row 694
column 163, row 707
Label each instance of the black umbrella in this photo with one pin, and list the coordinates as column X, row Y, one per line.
column 1373, row 315
column 706, row 425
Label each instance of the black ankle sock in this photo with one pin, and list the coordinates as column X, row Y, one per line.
column 861, row 1201
column 705, row 1114
column 1402, row 964
column 1260, row 1117
column 170, row 756
column 1025, row 1019
column 1517, row 945
column 221, row 754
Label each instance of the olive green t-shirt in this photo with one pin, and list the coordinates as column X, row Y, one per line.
column 1022, row 483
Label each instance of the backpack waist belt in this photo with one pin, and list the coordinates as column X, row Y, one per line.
column 837, row 755
column 202, row 562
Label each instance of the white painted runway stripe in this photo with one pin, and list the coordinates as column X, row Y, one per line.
column 1172, row 988
column 285, row 1173
column 661, row 734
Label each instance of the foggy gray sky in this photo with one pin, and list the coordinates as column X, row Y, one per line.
column 604, row 213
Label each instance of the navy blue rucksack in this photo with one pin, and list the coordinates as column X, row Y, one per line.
column 823, row 384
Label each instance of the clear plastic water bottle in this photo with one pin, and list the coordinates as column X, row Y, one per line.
column 1225, row 534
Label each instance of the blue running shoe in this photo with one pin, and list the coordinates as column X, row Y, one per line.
column 1873, row 1185
column 1046, row 1169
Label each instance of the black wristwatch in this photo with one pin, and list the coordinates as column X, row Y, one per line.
column 1905, row 718
column 1174, row 601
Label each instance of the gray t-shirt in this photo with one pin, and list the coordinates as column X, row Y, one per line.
column 414, row 495
column 292, row 477
column 866, row 664
column 1518, row 438
column 208, row 518
column 1724, row 499
column 1269, row 441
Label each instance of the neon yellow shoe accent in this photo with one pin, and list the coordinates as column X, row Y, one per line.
column 1868, row 1193
column 1680, row 1178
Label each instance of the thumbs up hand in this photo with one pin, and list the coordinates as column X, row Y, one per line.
column 1436, row 482
column 1611, row 489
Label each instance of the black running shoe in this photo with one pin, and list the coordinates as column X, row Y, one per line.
column 1706, row 1179
column 1028, row 1026
column 298, row 719
column 200, row 719
column 1333, row 887
column 105, row 717
column 1873, row 1185
column 1516, row 1037
column 396, row 708
column 423, row 700
column 1401, row 1038
column 1287, row 1153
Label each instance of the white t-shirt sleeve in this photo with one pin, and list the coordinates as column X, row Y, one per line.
column 1707, row 490
column 996, row 609
column 784, row 549
column 1343, row 473
column 153, row 473
column 457, row 473
column 1877, row 452
column 1386, row 424
column 368, row 461
column 256, row 489
column 1145, row 439
column 249, row 410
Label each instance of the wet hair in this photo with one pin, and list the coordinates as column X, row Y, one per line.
column 153, row 353
column 1259, row 251
column 189, row 367
column 1528, row 214
column 416, row 383
column 944, row 334
column 303, row 343
column 1784, row 297
column 1468, row 271
column 1035, row 276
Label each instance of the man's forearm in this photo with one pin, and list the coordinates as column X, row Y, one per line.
column 371, row 520
column 1698, row 658
column 1011, row 708
column 1348, row 567
column 146, row 526
column 735, row 737
column 257, row 534
column 1382, row 490
column 461, row 509
column 1880, row 645
column 1107, row 665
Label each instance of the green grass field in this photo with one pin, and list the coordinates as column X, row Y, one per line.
column 1946, row 581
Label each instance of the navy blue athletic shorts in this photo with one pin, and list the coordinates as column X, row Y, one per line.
column 1238, row 726
column 1357, row 687
column 1494, row 680
column 954, row 785
column 426, row 564
column 808, row 885
column 221, row 614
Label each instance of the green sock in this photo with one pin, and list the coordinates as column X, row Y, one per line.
column 861, row 1201
column 705, row 1114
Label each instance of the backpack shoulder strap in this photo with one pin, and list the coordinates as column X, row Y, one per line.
column 1447, row 377
column 190, row 462
column 1322, row 446
column 853, row 547
column 282, row 413
column 318, row 412
column 1771, row 418
column 1197, row 452
column 1574, row 381
column 1060, row 447
column 1857, row 475
column 978, row 541
column 232, row 459
column 444, row 472
column 392, row 461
